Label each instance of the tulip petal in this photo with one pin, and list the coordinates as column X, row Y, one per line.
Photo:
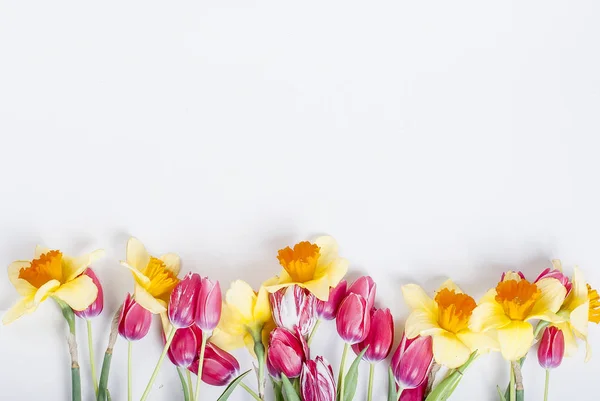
column 515, row 339
column 450, row 285
column 480, row 342
column 147, row 301
column 172, row 262
column 137, row 255
column 242, row 299
column 73, row 267
column 22, row 286
column 449, row 351
column 422, row 322
column 416, row 298
column 78, row 293
column 488, row 316
column 23, row 306
column 552, row 297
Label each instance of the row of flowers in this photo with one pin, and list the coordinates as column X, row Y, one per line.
column 443, row 334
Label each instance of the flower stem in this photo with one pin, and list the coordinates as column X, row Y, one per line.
column 200, row 363
column 159, row 363
column 184, row 386
column 259, row 350
column 513, row 388
column 129, row 381
column 342, row 376
column 103, row 394
column 371, row 374
column 250, row 391
column 547, row 385
column 400, row 390
column 72, row 343
column 190, row 384
column 91, row 352
column 313, row 331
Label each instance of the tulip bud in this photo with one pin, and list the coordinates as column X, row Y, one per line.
column 286, row 353
column 552, row 348
column 184, row 347
column 353, row 319
column 557, row 274
column 294, row 307
column 96, row 307
column 219, row 367
column 366, row 287
column 316, row 381
column 411, row 361
column 414, row 394
column 134, row 321
column 380, row 337
column 208, row 312
column 183, row 301
column 328, row 309
column 512, row 275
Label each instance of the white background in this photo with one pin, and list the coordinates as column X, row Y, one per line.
column 431, row 139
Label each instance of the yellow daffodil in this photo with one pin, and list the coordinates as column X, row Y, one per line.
column 507, row 309
column 154, row 277
column 446, row 319
column 314, row 266
column 51, row 273
column 245, row 314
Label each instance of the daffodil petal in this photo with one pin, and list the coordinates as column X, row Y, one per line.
column 515, row 339
column 578, row 294
column 336, row 271
column 22, row 286
column 579, row 319
column 421, row 322
column 46, row 290
column 137, row 255
column 319, row 288
column 489, row 296
column 449, row 351
column 22, row 307
column 73, row 267
column 570, row 340
column 262, row 307
column 226, row 341
column 557, row 265
column 147, row 301
column 172, row 262
column 488, row 316
column 512, row 275
column 450, row 285
column 39, row 250
column 416, row 298
column 137, row 275
column 328, row 249
column 480, row 342
column 78, row 293
column 552, row 296
column 242, row 298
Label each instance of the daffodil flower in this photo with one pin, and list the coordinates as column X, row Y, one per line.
column 507, row 310
column 314, row 266
column 154, row 277
column 51, row 273
column 446, row 319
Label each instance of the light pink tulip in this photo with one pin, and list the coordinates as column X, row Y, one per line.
column 135, row 321
column 208, row 311
column 294, row 307
column 354, row 319
column 380, row 337
column 557, row 274
column 327, row 310
column 411, row 361
column 183, row 301
column 96, row 307
column 552, row 348
column 316, row 381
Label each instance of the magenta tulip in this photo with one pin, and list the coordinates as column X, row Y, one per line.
column 557, row 274
column 286, row 353
column 327, row 310
column 552, row 348
column 96, row 307
column 208, row 311
column 380, row 337
column 184, row 347
column 219, row 367
column 183, row 301
column 294, row 307
column 414, row 394
column 365, row 287
column 411, row 361
column 135, row 321
column 316, row 381
column 353, row 319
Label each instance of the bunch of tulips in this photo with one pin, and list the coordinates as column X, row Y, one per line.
column 443, row 335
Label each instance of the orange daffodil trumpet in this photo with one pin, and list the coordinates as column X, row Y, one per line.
column 446, row 319
column 51, row 274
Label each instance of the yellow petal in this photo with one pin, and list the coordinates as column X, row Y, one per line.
column 23, row 306
column 511, row 275
column 241, row 298
column 46, row 290
column 226, row 341
column 39, row 250
column 73, row 267
column 421, row 322
column 579, row 319
column 515, row 339
column 449, row 351
column 138, row 276
column 480, row 342
column 22, row 286
column 450, row 285
column 137, row 255
column 488, row 316
column 578, row 294
column 319, row 288
column 262, row 308
column 552, row 297
column 78, row 293
column 147, row 301
column 557, row 264
column 570, row 340
column 172, row 262
column 328, row 249
column 416, row 298
column 489, row 296
column 336, row 271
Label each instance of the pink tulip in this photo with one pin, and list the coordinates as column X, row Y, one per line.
column 552, row 348
column 316, row 381
column 327, row 310
column 353, row 319
column 294, row 307
column 96, row 307
column 183, row 301
column 219, row 367
column 286, row 353
column 557, row 274
column 134, row 321
column 380, row 337
column 184, row 347
column 366, row 287
column 208, row 311
column 411, row 361
column 414, row 394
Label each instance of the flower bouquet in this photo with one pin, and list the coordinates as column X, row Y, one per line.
column 443, row 335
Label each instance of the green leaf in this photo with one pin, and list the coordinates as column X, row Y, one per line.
column 277, row 390
column 351, row 380
column 288, row 389
column 520, row 395
column 232, row 386
column 500, row 394
column 392, row 395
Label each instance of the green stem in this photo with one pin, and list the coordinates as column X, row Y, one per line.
column 102, row 386
column 184, row 386
column 259, row 350
column 92, row 359
column 159, row 363
column 129, row 381
column 342, row 376
column 371, row 374
column 313, row 331
column 200, row 363
column 69, row 316
column 400, row 390
column 547, row 385
column 513, row 388
column 190, row 385
column 250, row 391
